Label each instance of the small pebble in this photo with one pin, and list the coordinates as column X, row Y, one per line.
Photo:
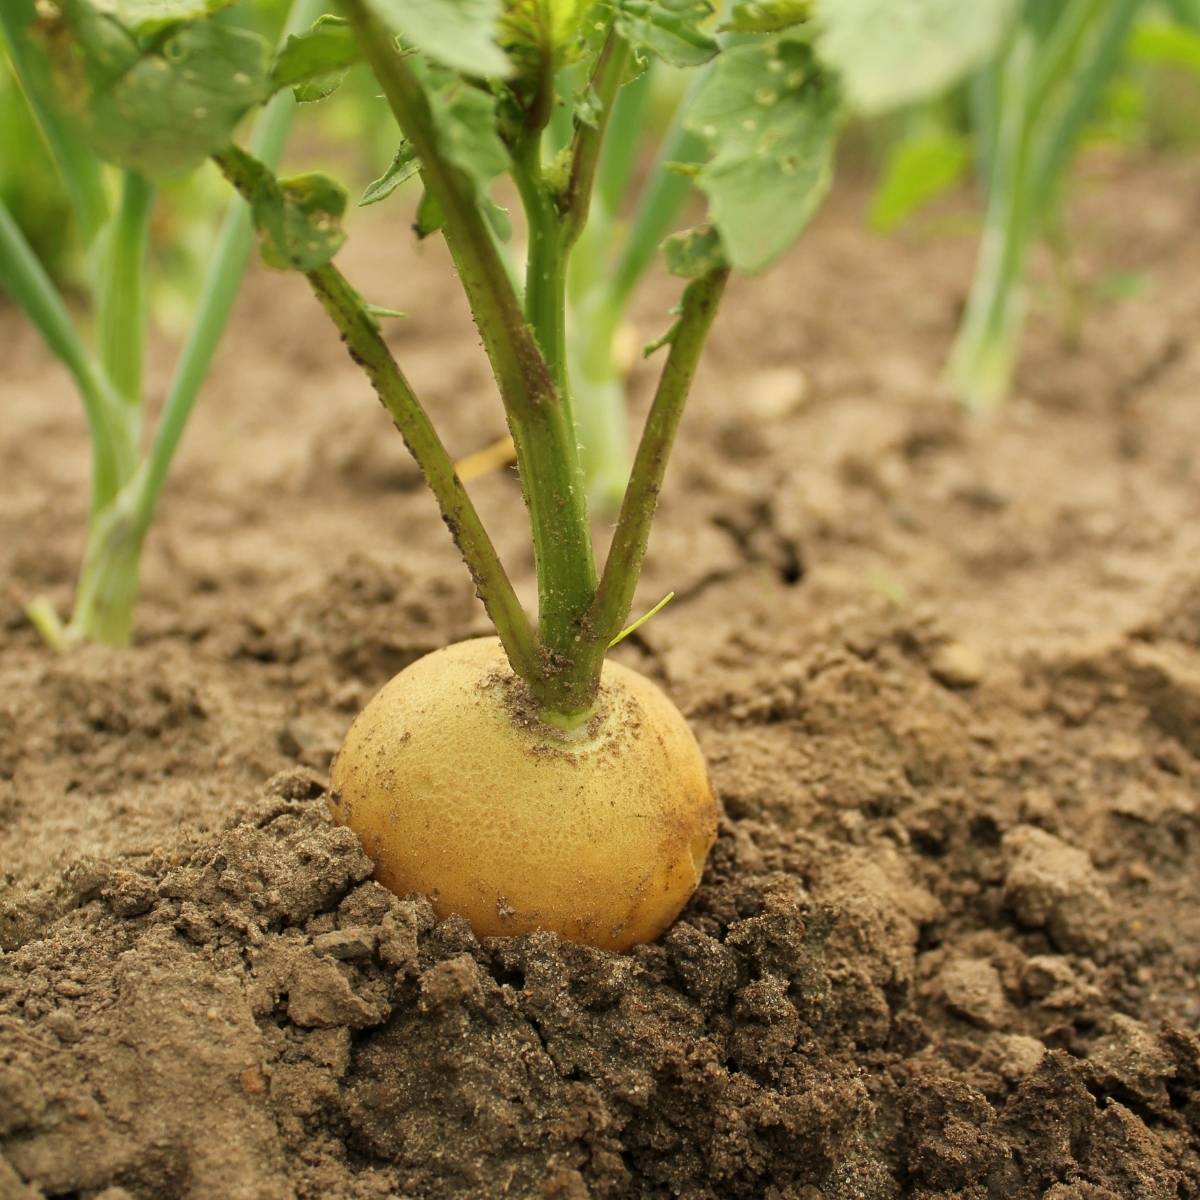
column 957, row 665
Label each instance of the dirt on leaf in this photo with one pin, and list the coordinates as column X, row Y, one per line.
column 946, row 671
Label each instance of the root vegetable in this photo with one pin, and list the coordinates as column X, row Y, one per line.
column 459, row 791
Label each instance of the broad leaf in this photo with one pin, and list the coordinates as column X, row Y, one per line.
column 892, row 52
column 769, row 114
column 464, row 118
column 694, row 252
column 314, row 63
column 462, row 34
column 161, row 107
column 668, row 29
column 402, row 167
column 767, row 16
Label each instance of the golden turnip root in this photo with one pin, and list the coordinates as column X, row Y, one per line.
column 458, row 791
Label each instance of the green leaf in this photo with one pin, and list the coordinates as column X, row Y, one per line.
column 314, row 63
column 541, row 33
column 918, row 169
column 162, row 107
column 694, row 252
column 892, row 52
column 402, row 167
column 148, row 16
column 770, row 116
column 667, row 29
column 464, row 118
column 462, row 34
column 767, row 16
column 298, row 220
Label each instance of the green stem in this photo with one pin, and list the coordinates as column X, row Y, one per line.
column 369, row 350
column 614, row 596
column 538, row 419
column 25, row 280
column 1039, row 127
column 121, row 308
column 545, row 271
column 109, row 577
column 607, row 77
column 982, row 361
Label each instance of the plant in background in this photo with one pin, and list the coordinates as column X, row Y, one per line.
column 154, row 98
column 1031, row 106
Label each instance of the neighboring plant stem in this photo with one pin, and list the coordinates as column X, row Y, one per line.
column 1045, row 95
column 120, row 299
column 33, row 291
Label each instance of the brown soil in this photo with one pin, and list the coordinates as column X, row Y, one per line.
column 946, row 673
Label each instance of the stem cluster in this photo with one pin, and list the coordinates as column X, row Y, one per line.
column 579, row 612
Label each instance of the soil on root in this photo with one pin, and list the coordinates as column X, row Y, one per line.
column 946, row 673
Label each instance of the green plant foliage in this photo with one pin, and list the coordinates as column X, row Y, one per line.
column 694, row 252
column 149, row 16
column 462, row 34
column 163, row 105
column 464, row 118
column 767, row 16
column 770, row 115
column 668, row 29
column 918, row 169
column 539, row 32
column 891, row 52
column 314, row 63
column 299, row 220
column 402, row 168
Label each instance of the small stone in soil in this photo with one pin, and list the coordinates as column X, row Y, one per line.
column 957, row 665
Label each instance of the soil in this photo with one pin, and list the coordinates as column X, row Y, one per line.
column 946, row 671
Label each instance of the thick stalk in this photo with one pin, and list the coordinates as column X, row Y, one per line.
column 25, row 280
column 541, row 429
column 120, row 300
column 545, row 271
column 623, row 567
